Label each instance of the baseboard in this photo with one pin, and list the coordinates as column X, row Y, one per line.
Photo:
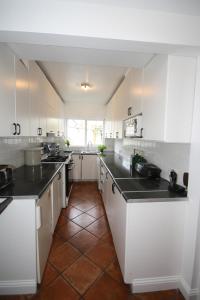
column 188, row 293
column 15, row 287
column 164, row 283
column 155, row 284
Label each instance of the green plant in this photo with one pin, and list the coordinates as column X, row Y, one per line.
column 67, row 142
column 101, row 148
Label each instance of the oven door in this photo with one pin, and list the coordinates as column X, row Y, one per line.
column 69, row 177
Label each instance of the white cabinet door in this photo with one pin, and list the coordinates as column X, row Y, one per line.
column 22, row 98
column 52, row 120
column 57, row 199
column 38, row 112
column 108, row 195
column 7, row 91
column 89, row 167
column 77, row 159
column 180, row 98
column 118, row 221
column 135, row 90
column 154, row 98
column 44, row 231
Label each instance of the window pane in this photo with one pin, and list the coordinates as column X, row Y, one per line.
column 76, row 132
column 95, row 132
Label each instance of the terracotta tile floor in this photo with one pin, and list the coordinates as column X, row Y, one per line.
column 82, row 263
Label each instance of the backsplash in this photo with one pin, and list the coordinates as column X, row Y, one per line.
column 167, row 156
column 11, row 148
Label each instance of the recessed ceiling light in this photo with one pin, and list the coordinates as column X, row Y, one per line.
column 85, row 86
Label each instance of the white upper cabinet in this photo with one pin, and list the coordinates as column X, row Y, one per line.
column 14, row 97
column 168, row 96
column 135, row 80
column 180, row 98
column 7, row 92
column 163, row 92
column 29, row 104
column 154, row 98
column 38, row 113
column 22, row 98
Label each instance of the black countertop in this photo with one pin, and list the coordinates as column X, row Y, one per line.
column 136, row 188
column 116, row 166
column 31, row 182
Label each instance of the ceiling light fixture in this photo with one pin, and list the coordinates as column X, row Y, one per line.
column 85, row 86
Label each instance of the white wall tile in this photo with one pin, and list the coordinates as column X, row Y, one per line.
column 167, row 156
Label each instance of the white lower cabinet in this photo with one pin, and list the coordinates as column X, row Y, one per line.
column 148, row 239
column 85, row 167
column 77, row 160
column 89, row 167
column 57, row 199
column 44, row 231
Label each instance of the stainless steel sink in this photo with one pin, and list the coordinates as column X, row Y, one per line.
column 89, row 152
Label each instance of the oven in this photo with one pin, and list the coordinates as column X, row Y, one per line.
column 69, row 177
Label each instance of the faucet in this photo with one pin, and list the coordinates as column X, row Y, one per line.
column 89, row 145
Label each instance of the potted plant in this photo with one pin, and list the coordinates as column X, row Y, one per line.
column 67, row 143
column 101, row 148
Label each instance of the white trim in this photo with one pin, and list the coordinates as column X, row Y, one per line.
column 187, row 292
column 164, row 283
column 155, row 284
column 14, row 287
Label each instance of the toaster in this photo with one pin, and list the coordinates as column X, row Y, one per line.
column 147, row 169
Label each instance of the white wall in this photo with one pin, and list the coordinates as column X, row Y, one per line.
column 80, row 19
column 167, row 156
column 85, row 111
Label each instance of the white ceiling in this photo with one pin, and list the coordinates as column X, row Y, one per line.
column 77, row 55
column 187, row 7
column 68, row 78
column 68, row 67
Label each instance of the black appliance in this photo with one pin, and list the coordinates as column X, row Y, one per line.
column 4, row 202
column 173, row 186
column 55, row 158
column 133, row 127
column 69, row 176
column 6, row 176
column 68, row 168
column 147, row 169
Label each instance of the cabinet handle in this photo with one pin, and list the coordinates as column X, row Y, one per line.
column 59, row 175
column 15, row 128
column 40, row 131
column 113, row 188
column 18, row 129
column 141, row 132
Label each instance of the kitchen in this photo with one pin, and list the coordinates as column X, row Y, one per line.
column 158, row 79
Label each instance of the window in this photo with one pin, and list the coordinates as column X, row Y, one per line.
column 94, row 132
column 76, row 132
column 83, row 132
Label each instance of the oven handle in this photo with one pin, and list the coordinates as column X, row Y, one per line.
column 5, row 203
